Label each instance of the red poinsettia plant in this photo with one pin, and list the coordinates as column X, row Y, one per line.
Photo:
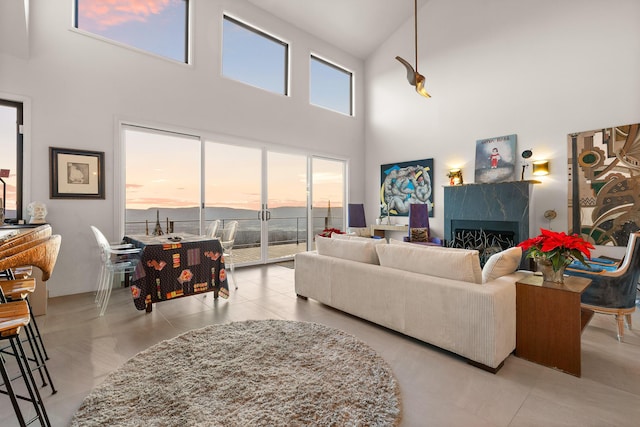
column 327, row 232
column 557, row 247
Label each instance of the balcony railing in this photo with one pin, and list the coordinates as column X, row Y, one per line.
column 288, row 232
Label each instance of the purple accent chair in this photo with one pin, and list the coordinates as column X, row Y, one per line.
column 356, row 215
column 419, row 218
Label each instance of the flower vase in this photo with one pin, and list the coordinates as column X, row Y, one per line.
column 546, row 268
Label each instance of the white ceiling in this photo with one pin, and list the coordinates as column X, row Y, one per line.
column 356, row 26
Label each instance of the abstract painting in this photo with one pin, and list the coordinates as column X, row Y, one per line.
column 402, row 184
column 496, row 159
column 604, row 184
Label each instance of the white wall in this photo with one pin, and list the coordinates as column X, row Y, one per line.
column 80, row 87
column 539, row 69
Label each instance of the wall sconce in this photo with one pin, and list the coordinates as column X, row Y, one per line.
column 541, row 167
column 455, row 176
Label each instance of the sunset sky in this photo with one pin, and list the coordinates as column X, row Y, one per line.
column 158, row 174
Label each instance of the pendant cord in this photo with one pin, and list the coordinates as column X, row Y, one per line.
column 415, row 32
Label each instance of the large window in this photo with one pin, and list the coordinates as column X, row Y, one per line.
column 254, row 57
column 330, row 86
column 11, row 118
column 157, row 26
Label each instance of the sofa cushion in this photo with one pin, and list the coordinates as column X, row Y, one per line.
column 448, row 263
column 502, row 263
column 360, row 250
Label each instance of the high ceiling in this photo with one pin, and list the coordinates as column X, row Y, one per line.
column 356, row 26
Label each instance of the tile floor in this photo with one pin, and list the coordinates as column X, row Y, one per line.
column 438, row 388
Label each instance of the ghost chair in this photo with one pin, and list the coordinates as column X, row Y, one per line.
column 227, row 240
column 613, row 292
column 212, row 229
column 419, row 231
column 115, row 258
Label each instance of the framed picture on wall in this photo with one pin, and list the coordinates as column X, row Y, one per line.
column 404, row 183
column 496, row 159
column 76, row 174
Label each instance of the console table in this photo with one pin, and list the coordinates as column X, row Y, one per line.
column 381, row 229
column 550, row 320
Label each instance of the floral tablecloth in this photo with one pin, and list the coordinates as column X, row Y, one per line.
column 176, row 265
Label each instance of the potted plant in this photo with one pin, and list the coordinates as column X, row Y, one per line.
column 554, row 251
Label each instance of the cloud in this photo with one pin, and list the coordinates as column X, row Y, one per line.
column 102, row 14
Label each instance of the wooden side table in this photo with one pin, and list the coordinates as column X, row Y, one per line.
column 549, row 322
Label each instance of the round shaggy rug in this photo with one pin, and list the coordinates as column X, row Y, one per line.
column 253, row 373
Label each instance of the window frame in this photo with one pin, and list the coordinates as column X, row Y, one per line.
column 331, row 64
column 266, row 35
column 19, row 106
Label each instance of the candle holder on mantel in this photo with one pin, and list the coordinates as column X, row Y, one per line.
column 455, row 176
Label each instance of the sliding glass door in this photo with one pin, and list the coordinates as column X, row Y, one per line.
column 182, row 183
column 233, row 188
column 162, row 188
column 328, row 195
column 286, row 206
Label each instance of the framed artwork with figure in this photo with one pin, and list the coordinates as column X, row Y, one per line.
column 496, row 159
column 404, row 183
column 76, row 174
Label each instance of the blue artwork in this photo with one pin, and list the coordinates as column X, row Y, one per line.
column 402, row 184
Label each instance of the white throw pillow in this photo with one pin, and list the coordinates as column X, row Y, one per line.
column 360, row 250
column 502, row 263
column 448, row 263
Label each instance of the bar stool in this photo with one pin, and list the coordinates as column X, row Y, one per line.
column 19, row 290
column 32, row 234
column 41, row 253
column 14, row 316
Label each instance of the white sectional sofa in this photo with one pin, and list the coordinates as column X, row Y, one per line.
column 438, row 295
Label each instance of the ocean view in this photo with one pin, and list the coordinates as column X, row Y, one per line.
column 287, row 224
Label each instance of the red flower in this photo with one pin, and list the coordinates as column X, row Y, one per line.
column 558, row 247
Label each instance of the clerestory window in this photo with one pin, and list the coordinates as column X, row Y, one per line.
column 254, row 57
column 330, row 86
column 157, row 26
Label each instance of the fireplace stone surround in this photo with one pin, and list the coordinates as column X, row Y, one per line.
column 499, row 207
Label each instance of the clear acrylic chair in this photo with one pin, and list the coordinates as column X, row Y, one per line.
column 212, row 229
column 115, row 258
column 227, row 240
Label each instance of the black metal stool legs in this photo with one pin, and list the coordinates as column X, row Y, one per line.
column 29, row 381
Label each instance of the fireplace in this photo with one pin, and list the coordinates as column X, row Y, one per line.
column 487, row 217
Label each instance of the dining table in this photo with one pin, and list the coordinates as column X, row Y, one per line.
column 176, row 265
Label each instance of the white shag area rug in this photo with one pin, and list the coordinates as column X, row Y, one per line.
column 253, row 373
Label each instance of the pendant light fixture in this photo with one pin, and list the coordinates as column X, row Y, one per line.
column 415, row 78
